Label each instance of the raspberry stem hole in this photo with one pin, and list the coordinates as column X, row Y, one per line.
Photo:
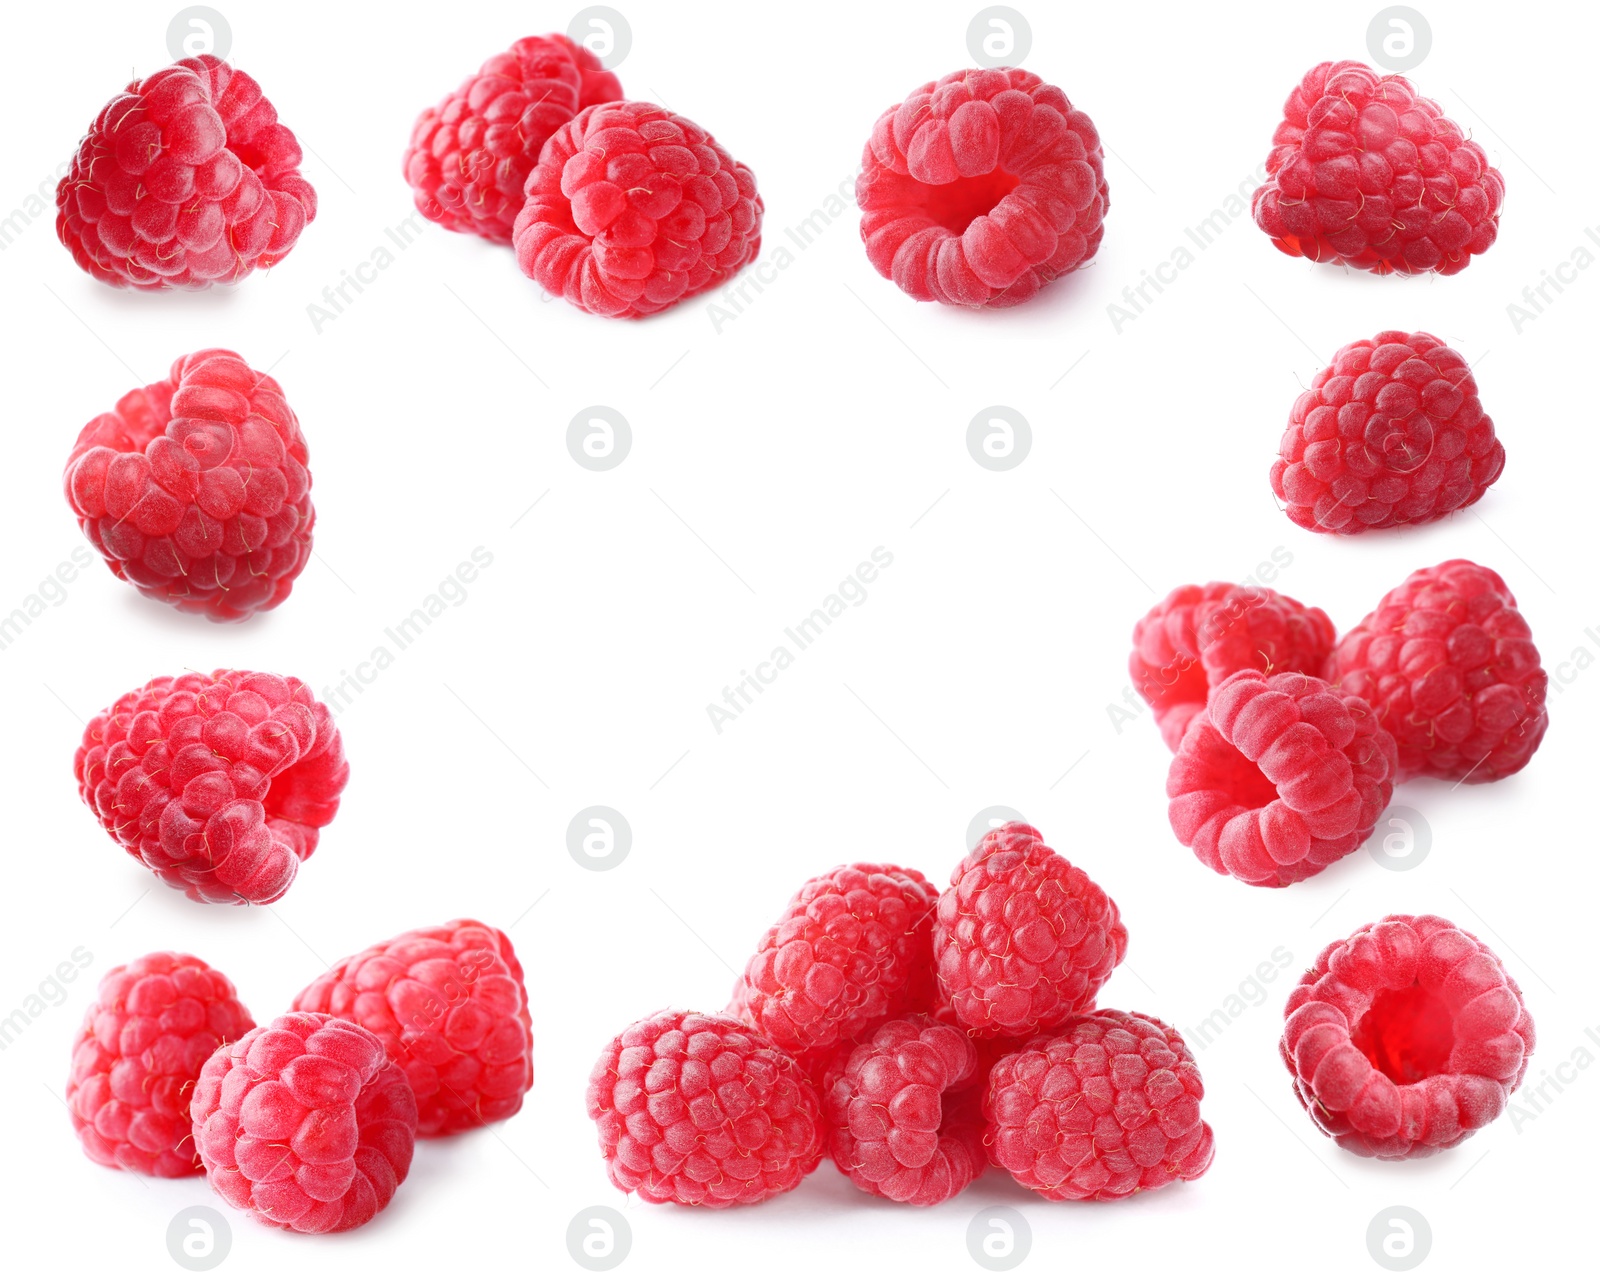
column 1407, row 1034
column 956, row 205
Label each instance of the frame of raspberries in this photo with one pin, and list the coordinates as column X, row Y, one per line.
column 913, row 1035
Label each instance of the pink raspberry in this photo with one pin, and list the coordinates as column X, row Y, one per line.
column 981, row 188
column 1365, row 173
column 703, row 1111
column 632, row 209
column 153, row 1025
column 449, row 1005
column 903, row 1115
column 1024, row 940
column 1199, row 635
column 1108, row 1107
column 196, row 490
column 1406, row 1037
column 852, row 948
column 305, row 1124
column 1280, row 777
column 470, row 156
column 220, row 783
column 1450, row 667
column 186, row 179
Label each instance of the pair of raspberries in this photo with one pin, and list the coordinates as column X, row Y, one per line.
column 915, row 1036
column 1287, row 744
column 307, row 1123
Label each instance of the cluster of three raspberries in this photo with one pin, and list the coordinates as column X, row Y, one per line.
column 309, row 1122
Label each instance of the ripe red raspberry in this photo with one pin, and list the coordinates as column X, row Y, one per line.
column 152, row 1026
column 1449, row 665
column 1366, row 173
column 449, row 1005
column 703, row 1111
column 1406, row 1038
column 1390, row 433
column 185, row 179
column 219, row 783
column 632, row 209
column 904, row 1119
column 1279, row 778
column 196, row 490
column 1023, row 939
column 1199, row 635
column 471, row 155
column 853, row 947
column 1106, row 1108
column 981, row 188
column 305, row 1123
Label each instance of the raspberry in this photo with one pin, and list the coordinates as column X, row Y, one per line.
column 1280, row 777
column 1449, row 665
column 196, row 490
column 895, row 1129
column 219, row 783
column 1108, row 1107
column 853, row 948
column 305, row 1123
column 981, row 188
column 471, row 155
column 703, row 1111
column 632, row 209
column 1366, row 173
column 1199, row 635
column 1023, row 939
column 450, row 1008
column 185, row 179
column 1406, row 1038
column 144, row 1039
column 1390, row 433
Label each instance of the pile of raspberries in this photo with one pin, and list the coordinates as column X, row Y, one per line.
column 915, row 1037
column 1288, row 743
column 307, row 1123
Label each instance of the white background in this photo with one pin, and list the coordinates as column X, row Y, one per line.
column 769, row 458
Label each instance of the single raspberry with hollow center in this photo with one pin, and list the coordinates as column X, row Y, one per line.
column 1023, row 939
column 152, row 1026
column 1106, row 1108
column 1365, row 173
column 903, row 1117
column 1406, row 1037
column 305, row 1124
column 1390, row 433
column 853, row 947
column 219, row 783
column 981, row 188
column 449, row 1005
column 186, row 179
column 470, row 156
column 196, row 490
column 1280, row 777
column 1199, row 635
column 1450, row 666
column 632, row 209
column 703, row 1111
